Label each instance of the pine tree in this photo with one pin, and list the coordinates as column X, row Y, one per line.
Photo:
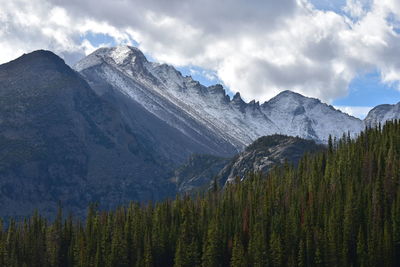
column 148, row 254
column 396, row 228
column 276, row 250
column 361, row 249
column 238, row 254
column 187, row 251
column 212, row 252
column 301, row 258
column 257, row 247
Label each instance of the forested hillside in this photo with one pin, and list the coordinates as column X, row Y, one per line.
column 339, row 207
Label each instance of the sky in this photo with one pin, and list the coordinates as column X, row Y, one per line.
column 344, row 52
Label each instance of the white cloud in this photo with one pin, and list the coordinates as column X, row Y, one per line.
column 356, row 8
column 28, row 25
column 258, row 48
column 31, row 25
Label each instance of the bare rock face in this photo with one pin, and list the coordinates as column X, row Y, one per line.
column 265, row 153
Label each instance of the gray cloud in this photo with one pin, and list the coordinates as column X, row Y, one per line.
column 32, row 25
column 213, row 17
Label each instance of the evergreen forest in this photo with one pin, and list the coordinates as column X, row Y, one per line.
column 338, row 207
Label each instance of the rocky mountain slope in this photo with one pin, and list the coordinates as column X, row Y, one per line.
column 266, row 152
column 207, row 114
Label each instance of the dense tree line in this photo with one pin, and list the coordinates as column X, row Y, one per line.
column 339, row 207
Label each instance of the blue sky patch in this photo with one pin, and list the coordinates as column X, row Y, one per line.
column 99, row 38
column 368, row 90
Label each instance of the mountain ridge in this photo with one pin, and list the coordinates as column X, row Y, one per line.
column 232, row 120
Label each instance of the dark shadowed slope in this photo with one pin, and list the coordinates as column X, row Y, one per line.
column 59, row 141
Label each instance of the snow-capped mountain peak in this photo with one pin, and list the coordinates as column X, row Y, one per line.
column 297, row 115
column 291, row 98
column 192, row 108
column 126, row 55
column 120, row 55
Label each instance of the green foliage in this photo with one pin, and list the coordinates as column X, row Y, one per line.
column 339, row 207
column 238, row 253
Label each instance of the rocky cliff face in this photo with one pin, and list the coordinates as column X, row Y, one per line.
column 266, row 152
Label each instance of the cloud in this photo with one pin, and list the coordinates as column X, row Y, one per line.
column 258, row 48
column 28, row 25
column 356, row 8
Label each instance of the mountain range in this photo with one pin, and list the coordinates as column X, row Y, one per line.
column 118, row 127
column 193, row 109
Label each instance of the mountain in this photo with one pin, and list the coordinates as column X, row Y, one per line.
column 266, row 152
column 124, row 74
column 309, row 118
column 207, row 114
column 121, row 128
column 59, row 141
column 381, row 114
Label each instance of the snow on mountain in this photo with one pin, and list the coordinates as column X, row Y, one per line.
column 135, row 79
column 382, row 113
column 190, row 107
column 309, row 118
